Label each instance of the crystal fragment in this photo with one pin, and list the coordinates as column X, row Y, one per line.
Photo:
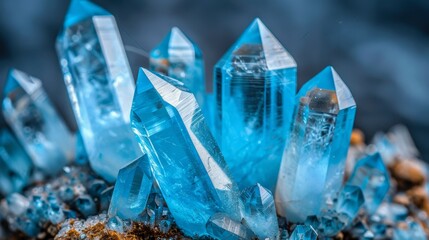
column 15, row 165
column 303, row 232
column 371, row 175
column 169, row 123
column 115, row 224
column 86, row 205
column 220, row 226
column 254, row 88
column 37, row 125
column 177, row 56
column 100, row 86
column 132, row 189
column 413, row 231
column 314, row 159
column 349, row 202
column 260, row 212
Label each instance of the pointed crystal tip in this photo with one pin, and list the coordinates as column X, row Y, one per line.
column 17, row 78
column 80, row 10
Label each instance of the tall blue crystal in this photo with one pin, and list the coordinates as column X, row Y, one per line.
column 177, row 56
column 37, row 125
column 132, row 188
column 371, row 175
column 100, row 86
column 254, row 89
column 314, row 159
column 185, row 159
column 15, row 165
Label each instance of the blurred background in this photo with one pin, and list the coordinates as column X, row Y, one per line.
column 379, row 48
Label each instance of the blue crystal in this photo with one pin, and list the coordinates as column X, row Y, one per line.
column 164, row 226
column 314, row 159
column 105, row 198
column 185, row 159
column 177, row 56
column 15, row 165
column 86, row 205
column 371, row 175
column 100, row 86
column 303, row 232
column 116, row 224
column 254, row 89
column 260, row 212
column 55, row 214
column 37, row 125
column 349, row 202
column 413, row 231
column 132, row 189
column 81, row 156
column 220, row 226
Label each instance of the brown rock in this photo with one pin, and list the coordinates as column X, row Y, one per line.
column 357, row 137
column 407, row 173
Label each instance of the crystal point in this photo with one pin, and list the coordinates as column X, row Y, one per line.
column 37, row 125
column 185, row 159
column 100, row 86
column 314, row 159
column 221, row 226
column 254, row 88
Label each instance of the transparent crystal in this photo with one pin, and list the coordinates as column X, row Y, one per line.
column 220, row 226
column 260, row 212
column 185, row 159
column 303, row 232
column 371, row 175
column 132, row 189
column 15, row 165
column 100, row 86
column 413, row 231
column 37, row 125
column 254, row 89
column 313, row 162
column 350, row 200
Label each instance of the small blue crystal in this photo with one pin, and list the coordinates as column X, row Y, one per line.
column 260, row 212
column 100, row 86
column 349, row 202
column 105, row 198
column 254, row 88
column 132, row 189
column 37, row 125
column 314, row 159
column 55, row 214
column 303, row 232
column 86, row 205
column 414, row 231
column 371, row 175
column 116, row 224
column 220, row 226
column 185, row 159
column 15, row 165
column 164, row 226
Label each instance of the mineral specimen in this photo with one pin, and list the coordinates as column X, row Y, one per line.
column 314, row 159
column 37, row 125
column 372, row 177
column 221, row 226
column 100, row 86
column 185, row 159
column 254, row 88
column 15, row 165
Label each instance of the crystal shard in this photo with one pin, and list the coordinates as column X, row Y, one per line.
column 132, row 189
column 260, row 212
column 15, row 165
column 371, row 175
column 254, row 88
column 220, row 226
column 185, row 159
column 314, row 159
column 37, row 125
column 179, row 57
column 303, row 232
column 100, row 86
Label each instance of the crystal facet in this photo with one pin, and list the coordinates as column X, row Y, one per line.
column 303, row 232
column 132, row 189
column 260, row 212
column 221, row 226
column 371, row 175
column 185, row 159
column 33, row 118
column 314, row 159
column 100, row 86
column 254, row 88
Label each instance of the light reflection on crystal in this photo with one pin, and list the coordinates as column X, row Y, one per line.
column 221, row 226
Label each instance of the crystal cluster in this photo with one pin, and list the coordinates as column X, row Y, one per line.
column 33, row 118
column 100, row 86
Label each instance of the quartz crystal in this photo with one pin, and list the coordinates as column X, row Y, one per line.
column 100, row 86
column 254, row 89
column 15, row 165
column 303, row 232
column 371, row 175
column 349, row 203
column 260, row 212
column 222, row 227
column 314, row 159
column 184, row 157
column 37, row 125
column 132, row 189
column 177, row 56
